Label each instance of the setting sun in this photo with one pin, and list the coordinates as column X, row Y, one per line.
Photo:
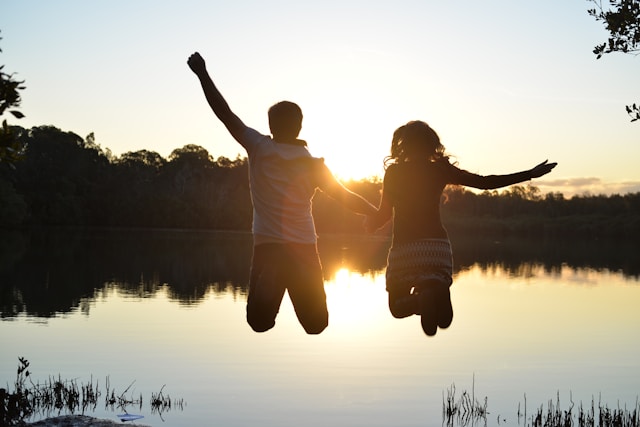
column 352, row 137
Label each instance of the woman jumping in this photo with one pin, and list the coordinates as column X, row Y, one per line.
column 420, row 263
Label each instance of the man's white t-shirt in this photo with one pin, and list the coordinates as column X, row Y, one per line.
column 282, row 187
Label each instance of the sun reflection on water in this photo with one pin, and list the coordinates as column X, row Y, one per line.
column 355, row 300
column 530, row 330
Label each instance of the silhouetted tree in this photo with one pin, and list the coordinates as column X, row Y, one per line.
column 61, row 176
column 623, row 24
column 10, row 148
column 13, row 208
column 133, row 189
column 68, row 180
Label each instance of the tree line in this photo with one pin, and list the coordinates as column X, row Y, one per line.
column 65, row 180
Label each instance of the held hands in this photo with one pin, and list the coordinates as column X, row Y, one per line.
column 542, row 169
column 371, row 222
column 367, row 224
column 197, row 64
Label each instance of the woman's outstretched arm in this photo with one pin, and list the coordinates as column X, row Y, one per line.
column 490, row 182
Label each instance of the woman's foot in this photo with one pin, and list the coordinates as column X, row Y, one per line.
column 445, row 309
column 435, row 306
column 428, row 310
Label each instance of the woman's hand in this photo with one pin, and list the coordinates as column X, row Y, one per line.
column 542, row 169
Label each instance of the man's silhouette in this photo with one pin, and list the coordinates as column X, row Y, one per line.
column 283, row 178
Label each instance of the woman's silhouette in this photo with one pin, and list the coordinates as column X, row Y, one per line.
column 420, row 264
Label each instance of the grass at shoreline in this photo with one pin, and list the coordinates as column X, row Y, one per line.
column 466, row 410
column 57, row 396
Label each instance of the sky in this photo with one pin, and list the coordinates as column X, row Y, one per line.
column 506, row 84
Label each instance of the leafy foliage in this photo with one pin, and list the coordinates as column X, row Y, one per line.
column 10, row 149
column 623, row 24
column 633, row 111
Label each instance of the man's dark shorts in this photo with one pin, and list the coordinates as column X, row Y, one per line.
column 277, row 267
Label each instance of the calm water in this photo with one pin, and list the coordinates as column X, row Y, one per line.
column 532, row 322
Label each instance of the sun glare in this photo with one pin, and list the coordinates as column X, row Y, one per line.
column 355, row 300
column 353, row 143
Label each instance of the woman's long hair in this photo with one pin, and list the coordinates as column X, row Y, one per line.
column 414, row 140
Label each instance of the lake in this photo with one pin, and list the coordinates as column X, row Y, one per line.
column 153, row 310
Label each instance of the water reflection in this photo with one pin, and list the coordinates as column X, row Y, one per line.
column 43, row 273
column 167, row 307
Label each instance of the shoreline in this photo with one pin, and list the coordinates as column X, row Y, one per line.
column 78, row 421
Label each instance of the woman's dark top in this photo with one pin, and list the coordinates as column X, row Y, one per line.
column 414, row 189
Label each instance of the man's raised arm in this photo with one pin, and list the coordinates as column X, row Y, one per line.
column 234, row 125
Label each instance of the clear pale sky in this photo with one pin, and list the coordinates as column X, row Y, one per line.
column 506, row 84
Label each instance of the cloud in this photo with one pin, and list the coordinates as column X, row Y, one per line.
column 586, row 186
